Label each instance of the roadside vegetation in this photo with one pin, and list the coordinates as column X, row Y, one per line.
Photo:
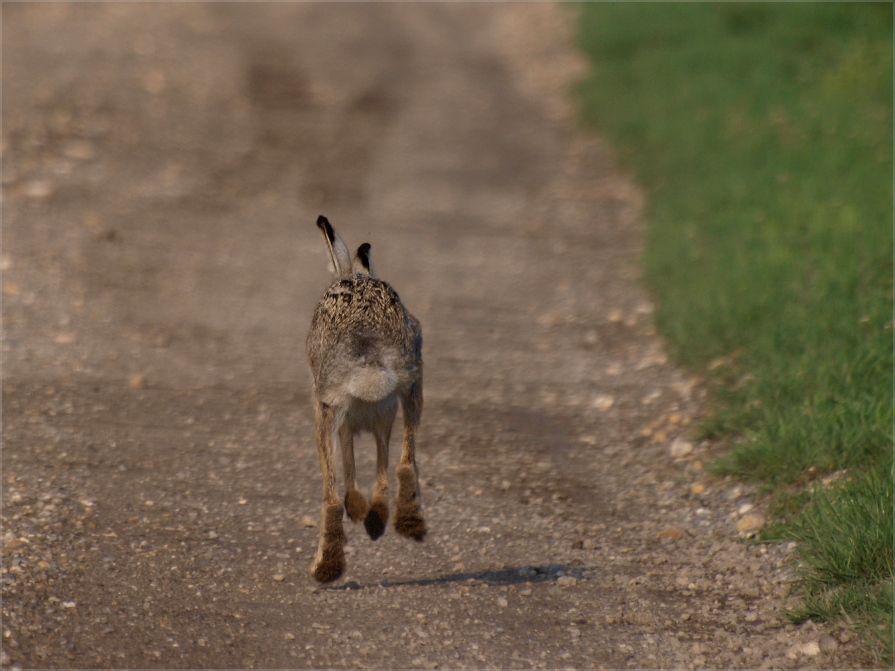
column 763, row 135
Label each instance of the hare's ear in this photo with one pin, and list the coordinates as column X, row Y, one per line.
column 363, row 264
column 338, row 252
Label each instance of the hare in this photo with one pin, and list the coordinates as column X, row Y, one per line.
column 365, row 353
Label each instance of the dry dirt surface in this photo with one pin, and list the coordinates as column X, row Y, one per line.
column 163, row 166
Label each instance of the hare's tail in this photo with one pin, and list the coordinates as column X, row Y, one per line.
column 372, row 383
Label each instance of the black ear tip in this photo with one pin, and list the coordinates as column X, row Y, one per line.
column 326, row 227
column 363, row 254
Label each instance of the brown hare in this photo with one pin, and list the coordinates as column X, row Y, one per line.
column 365, row 353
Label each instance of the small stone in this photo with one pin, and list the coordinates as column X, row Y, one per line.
column 698, row 488
column 751, row 522
column 673, row 532
column 751, row 616
column 11, row 289
column 212, row 535
column 289, row 637
column 64, row 339
column 566, row 581
column 681, row 448
column 502, row 602
column 845, row 637
column 745, row 508
column 525, row 592
column 278, row 577
column 810, row 649
column 603, row 402
column 137, row 381
column 589, row 544
column 827, row 643
column 38, row 190
column 615, row 315
column 308, row 521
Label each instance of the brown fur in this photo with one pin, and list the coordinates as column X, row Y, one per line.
column 355, row 505
column 408, row 517
column 330, row 561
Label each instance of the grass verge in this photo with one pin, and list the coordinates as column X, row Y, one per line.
column 763, row 133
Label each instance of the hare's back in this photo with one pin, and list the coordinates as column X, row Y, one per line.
column 359, row 315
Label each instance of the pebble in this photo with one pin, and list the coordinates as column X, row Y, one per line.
column 751, row 522
column 603, row 402
column 279, row 577
column 681, row 448
column 137, row 381
column 827, row 643
column 38, row 190
column 566, row 581
column 64, row 339
column 698, row 488
column 308, row 521
column 745, row 508
column 673, row 532
column 809, row 649
column 502, row 602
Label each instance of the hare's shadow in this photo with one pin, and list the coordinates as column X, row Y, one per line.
column 504, row 576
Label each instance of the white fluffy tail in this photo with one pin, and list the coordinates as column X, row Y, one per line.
column 372, row 383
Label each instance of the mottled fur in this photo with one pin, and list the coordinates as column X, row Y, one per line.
column 365, row 353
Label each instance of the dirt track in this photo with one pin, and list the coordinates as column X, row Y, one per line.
column 163, row 166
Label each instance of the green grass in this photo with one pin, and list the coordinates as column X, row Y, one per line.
column 846, row 536
column 763, row 134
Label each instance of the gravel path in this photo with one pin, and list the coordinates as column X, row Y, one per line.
column 163, row 166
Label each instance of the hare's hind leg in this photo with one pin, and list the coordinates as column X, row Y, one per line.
column 408, row 515
column 330, row 560
column 377, row 517
column 355, row 503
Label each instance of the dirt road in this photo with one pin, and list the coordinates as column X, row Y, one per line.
column 163, row 166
